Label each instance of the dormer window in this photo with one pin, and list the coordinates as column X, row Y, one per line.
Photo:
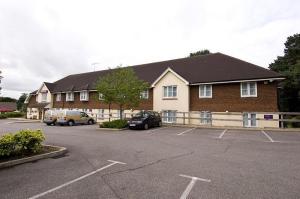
column 101, row 97
column 84, row 96
column 44, row 97
column 144, row 94
column 69, row 96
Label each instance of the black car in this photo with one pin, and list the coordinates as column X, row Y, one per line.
column 145, row 120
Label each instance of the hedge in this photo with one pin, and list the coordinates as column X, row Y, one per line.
column 21, row 143
column 11, row 114
column 116, row 124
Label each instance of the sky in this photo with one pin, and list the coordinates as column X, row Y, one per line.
column 45, row 40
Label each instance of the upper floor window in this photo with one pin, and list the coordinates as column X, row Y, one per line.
column 170, row 91
column 44, row 97
column 84, row 96
column 205, row 91
column 69, row 96
column 58, row 97
column 144, row 94
column 248, row 89
column 101, row 96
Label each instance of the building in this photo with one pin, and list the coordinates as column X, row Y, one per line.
column 213, row 89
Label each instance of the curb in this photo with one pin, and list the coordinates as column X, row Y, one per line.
column 111, row 129
column 61, row 151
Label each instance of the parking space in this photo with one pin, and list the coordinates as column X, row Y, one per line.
column 167, row 162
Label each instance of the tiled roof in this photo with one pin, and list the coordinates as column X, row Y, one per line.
column 215, row 67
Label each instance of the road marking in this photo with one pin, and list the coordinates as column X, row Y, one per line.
column 190, row 186
column 155, row 130
column 77, row 179
column 186, row 131
column 222, row 134
column 271, row 140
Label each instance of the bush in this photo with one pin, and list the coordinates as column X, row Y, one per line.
column 7, row 145
column 21, row 143
column 14, row 114
column 29, row 141
column 116, row 124
column 3, row 116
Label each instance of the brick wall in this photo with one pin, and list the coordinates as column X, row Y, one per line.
column 95, row 103
column 227, row 97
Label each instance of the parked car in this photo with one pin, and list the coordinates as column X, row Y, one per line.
column 145, row 120
column 71, row 118
column 50, row 117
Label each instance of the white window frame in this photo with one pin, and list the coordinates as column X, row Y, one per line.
column 172, row 91
column 247, row 122
column 248, row 89
column 69, row 98
column 44, row 97
column 144, row 94
column 100, row 97
column 101, row 114
column 167, row 116
column 205, row 117
column 58, row 97
column 205, row 87
column 84, row 96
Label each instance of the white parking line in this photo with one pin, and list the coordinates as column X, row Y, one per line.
column 157, row 129
column 186, row 131
column 191, row 184
column 222, row 134
column 269, row 137
column 77, row 179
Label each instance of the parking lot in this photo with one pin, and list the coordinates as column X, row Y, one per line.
column 166, row 162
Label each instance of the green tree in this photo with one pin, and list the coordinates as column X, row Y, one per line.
column 289, row 65
column 20, row 103
column 200, row 52
column 121, row 86
column 7, row 99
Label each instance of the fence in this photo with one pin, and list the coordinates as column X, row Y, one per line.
column 232, row 119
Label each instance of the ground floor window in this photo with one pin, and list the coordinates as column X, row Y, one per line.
column 205, row 117
column 249, row 120
column 101, row 114
column 169, row 116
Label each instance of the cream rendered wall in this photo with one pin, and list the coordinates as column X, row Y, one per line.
column 262, row 123
column 39, row 95
column 180, row 103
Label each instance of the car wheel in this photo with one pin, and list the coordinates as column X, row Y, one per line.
column 48, row 124
column 90, row 122
column 70, row 123
column 54, row 123
column 146, row 126
column 159, row 124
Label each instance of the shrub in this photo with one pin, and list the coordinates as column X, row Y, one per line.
column 116, row 124
column 29, row 141
column 3, row 116
column 7, row 145
column 14, row 114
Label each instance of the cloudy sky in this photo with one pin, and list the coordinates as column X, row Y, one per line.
column 45, row 40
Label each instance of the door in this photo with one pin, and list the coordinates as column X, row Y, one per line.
column 249, row 120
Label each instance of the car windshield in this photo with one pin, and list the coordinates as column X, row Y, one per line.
column 141, row 114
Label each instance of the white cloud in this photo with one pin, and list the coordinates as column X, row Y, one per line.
column 45, row 40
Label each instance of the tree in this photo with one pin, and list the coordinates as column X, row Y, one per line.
column 7, row 99
column 20, row 102
column 121, row 86
column 289, row 65
column 200, row 52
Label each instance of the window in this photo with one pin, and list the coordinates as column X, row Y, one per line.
column 144, row 94
column 58, row 97
column 249, row 120
column 101, row 114
column 44, row 97
column 248, row 89
column 205, row 117
column 69, row 96
column 170, row 91
column 205, row 91
column 169, row 116
column 101, row 96
column 84, row 96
